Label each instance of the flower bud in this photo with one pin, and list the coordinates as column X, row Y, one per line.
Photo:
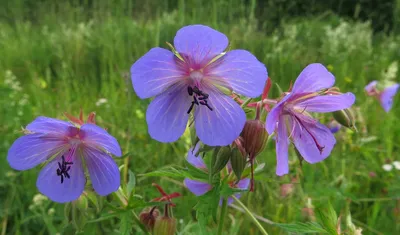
column 165, row 226
column 255, row 136
column 222, row 159
column 238, row 162
column 346, row 118
column 148, row 217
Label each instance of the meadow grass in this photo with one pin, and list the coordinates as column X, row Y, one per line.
column 63, row 57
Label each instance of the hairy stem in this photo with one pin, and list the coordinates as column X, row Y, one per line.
column 222, row 215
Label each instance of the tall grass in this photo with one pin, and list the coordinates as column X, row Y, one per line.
column 65, row 56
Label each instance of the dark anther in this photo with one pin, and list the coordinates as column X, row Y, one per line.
column 63, row 169
column 198, row 95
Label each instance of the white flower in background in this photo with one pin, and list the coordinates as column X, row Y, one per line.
column 12, row 81
column 101, row 101
column 391, row 72
column 387, row 167
column 39, row 199
column 396, row 165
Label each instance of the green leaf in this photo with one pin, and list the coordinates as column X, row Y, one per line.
column 328, row 218
column 207, row 206
column 227, row 191
column 131, row 183
column 126, row 224
column 170, row 172
column 310, row 227
column 137, row 201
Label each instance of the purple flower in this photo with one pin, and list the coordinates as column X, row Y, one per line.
column 290, row 118
column 67, row 148
column 385, row 97
column 190, row 79
column 334, row 126
column 199, row 188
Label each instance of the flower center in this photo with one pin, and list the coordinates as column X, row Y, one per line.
column 64, row 165
column 196, row 76
column 199, row 97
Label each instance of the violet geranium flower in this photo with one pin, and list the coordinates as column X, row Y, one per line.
column 67, row 147
column 199, row 188
column 190, row 79
column 385, row 96
column 290, row 118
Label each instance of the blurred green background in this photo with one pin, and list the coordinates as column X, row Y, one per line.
column 60, row 56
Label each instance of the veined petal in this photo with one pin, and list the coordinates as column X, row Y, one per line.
column 240, row 71
column 52, row 126
column 313, row 78
column 167, row 114
column 222, row 125
column 30, row 150
column 198, row 188
column 199, row 44
column 327, row 103
column 386, row 97
column 96, row 136
column 308, row 136
column 273, row 116
column 154, row 72
column 49, row 183
column 194, row 159
column 282, row 145
column 103, row 171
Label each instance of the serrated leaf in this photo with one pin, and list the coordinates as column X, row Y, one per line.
column 170, row 172
column 328, row 218
column 310, row 227
column 137, row 201
column 227, row 191
column 207, row 206
column 131, row 183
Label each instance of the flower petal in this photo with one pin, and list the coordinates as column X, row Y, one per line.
column 243, row 183
column 307, row 136
column 52, row 126
column 282, row 145
column 103, row 171
column 194, row 159
column 327, row 103
column 49, row 183
column 167, row 115
column 274, row 114
column 240, row 71
column 222, row 125
column 371, row 86
column 199, row 44
column 154, row 72
column 30, row 150
column 198, row 188
column 313, row 78
column 386, row 97
column 96, row 136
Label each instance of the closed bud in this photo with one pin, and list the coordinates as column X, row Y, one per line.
column 148, row 217
column 165, row 226
column 238, row 162
column 346, row 118
column 254, row 137
column 222, row 159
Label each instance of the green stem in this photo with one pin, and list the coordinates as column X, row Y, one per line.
column 222, row 216
column 137, row 221
column 260, row 227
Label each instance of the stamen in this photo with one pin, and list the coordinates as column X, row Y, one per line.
column 198, row 95
column 63, row 169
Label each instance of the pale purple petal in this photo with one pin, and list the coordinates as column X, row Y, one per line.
column 310, row 133
column 30, row 150
column 154, row 72
column 282, row 145
column 96, row 136
column 199, row 44
column 198, row 188
column 274, row 114
column 52, row 126
column 240, row 71
column 167, row 114
column 386, row 97
column 327, row 103
column 313, row 78
column 243, row 183
column 103, row 171
column 49, row 183
column 194, row 159
column 371, row 86
column 222, row 125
